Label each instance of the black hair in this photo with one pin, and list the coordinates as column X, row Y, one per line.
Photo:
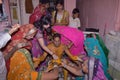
column 56, row 35
column 58, row 2
column 44, row 20
column 44, row 1
column 75, row 10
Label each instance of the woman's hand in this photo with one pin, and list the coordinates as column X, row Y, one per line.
column 14, row 28
column 54, row 56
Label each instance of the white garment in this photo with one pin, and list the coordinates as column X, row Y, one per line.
column 4, row 38
column 59, row 17
column 75, row 23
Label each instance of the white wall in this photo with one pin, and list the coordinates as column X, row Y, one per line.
column 24, row 15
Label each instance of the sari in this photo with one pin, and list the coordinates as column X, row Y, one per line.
column 21, row 67
column 74, row 35
column 18, row 37
column 37, row 13
column 94, row 49
column 95, row 70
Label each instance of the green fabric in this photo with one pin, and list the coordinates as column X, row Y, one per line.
column 105, row 49
column 28, row 56
column 39, row 76
column 79, row 78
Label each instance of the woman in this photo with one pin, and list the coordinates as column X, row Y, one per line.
column 60, row 16
column 21, row 65
column 18, row 37
column 91, row 69
column 71, row 35
column 39, row 11
column 94, row 49
column 40, row 40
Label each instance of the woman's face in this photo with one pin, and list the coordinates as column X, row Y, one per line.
column 46, row 26
column 59, row 7
column 47, row 5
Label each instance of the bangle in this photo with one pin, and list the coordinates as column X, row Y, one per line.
column 65, row 65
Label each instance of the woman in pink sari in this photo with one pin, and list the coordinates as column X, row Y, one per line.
column 74, row 36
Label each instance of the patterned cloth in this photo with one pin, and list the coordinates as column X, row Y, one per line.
column 94, row 49
column 21, row 66
column 18, row 37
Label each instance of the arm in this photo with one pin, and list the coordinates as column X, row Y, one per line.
column 53, row 18
column 74, row 58
column 78, row 23
column 41, row 42
column 73, row 69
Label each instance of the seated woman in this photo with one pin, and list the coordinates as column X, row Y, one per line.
column 91, row 69
column 21, row 64
column 58, row 48
column 71, row 35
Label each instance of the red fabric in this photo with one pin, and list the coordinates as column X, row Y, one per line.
column 38, row 12
column 18, row 37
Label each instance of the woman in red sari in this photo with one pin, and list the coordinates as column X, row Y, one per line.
column 39, row 11
column 17, row 38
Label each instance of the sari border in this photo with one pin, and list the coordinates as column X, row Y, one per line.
column 27, row 55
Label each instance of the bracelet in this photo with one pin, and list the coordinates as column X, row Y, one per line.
column 65, row 65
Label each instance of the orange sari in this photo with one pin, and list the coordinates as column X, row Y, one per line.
column 21, row 67
column 18, row 37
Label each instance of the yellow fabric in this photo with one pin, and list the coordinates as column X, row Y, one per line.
column 63, row 20
column 20, row 68
column 59, row 51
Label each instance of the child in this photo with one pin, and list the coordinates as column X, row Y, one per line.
column 74, row 21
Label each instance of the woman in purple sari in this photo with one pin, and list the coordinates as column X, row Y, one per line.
column 40, row 40
column 90, row 69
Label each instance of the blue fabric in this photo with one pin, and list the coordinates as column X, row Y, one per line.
column 94, row 49
column 79, row 78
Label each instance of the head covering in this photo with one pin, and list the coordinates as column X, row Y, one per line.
column 37, row 13
column 18, row 37
column 74, row 35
